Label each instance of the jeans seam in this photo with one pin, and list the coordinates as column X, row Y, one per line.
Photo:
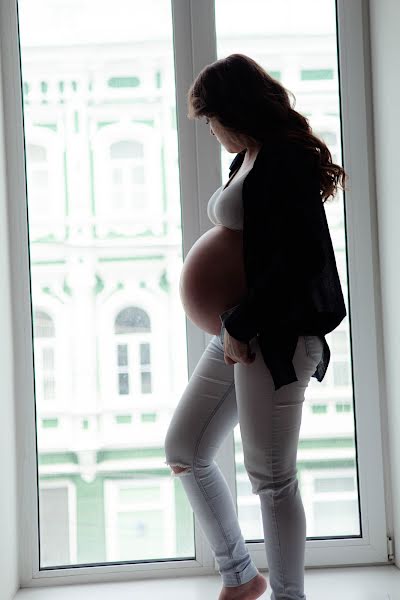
column 201, row 487
column 273, row 503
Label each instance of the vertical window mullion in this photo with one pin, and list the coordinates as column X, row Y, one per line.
column 194, row 47
column 356, row 122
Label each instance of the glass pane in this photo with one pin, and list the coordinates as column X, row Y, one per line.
column 298, row 40
column 146, row 382
column 117, row 176
column 48, row 358
column 138, row 175
column 122, row 355
column 144, row 354
column 98, row 86
column 132, row 320
column 123, row 383
column 43, row 324
column 48, row 389
column 36, row 153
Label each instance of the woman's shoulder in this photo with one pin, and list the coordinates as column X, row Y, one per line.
column 281, row 156
column 285, row 162
column 287, row 149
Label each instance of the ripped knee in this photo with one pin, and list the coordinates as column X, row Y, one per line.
column 179, row 469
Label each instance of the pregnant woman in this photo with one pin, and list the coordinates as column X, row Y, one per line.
column 264, row 281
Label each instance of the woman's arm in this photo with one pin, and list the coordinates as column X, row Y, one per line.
column 245, row 328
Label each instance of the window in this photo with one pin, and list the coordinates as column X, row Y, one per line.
column 145, row 368
column 45, row 336
column 136, row 519
column 133, row 356
column 127, row 184
column 311, row 100
column 58, row 510
column 45, row 183
column 128, row 191
column 117, row 182
column 38, row 175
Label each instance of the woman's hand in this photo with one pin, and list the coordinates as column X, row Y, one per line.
column 236, row 351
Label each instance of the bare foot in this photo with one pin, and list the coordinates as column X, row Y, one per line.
column 247, row 591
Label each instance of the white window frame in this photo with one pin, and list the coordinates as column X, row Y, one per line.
column 200, row 175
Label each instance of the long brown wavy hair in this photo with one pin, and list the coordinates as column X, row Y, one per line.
column 246, row 100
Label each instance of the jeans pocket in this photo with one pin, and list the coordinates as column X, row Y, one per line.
column 314, row 347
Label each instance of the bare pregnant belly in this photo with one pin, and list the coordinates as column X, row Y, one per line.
column 213, row 277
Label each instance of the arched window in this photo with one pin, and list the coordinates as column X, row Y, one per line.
column 44, row 342
column 132, row 331
column 132, row 320
column 46, row 185
column 127, row 177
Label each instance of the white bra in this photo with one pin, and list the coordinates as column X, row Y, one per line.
column 225, row 205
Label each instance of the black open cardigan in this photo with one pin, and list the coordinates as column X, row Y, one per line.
column 293, row 285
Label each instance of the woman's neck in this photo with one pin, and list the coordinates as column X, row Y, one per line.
column 251, row 154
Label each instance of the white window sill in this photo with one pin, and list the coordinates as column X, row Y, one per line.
column 344, row 583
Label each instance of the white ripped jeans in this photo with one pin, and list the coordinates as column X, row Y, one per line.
column 218, row 397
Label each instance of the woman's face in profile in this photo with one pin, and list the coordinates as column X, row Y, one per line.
column 231, row 143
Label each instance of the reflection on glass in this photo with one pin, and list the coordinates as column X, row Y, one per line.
column 106, row 253
column 297, row 44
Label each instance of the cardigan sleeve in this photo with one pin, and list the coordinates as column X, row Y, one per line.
column 283, row 242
